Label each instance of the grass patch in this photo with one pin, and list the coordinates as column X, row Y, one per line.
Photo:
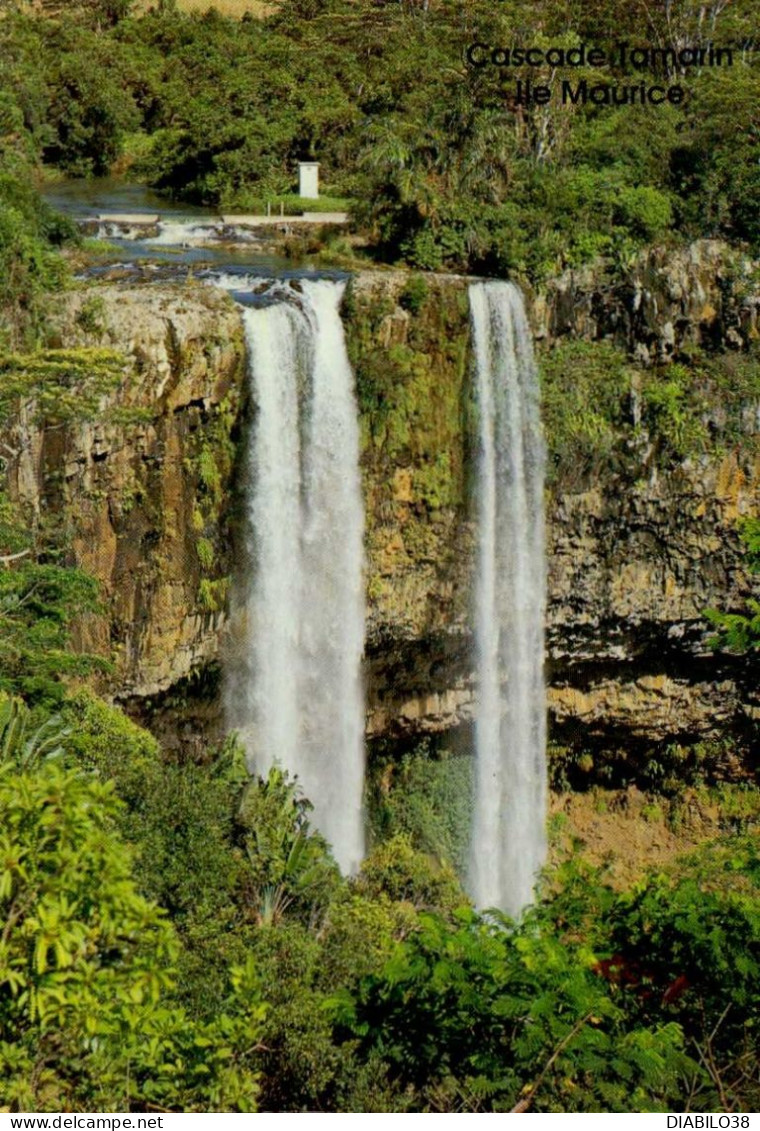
column 98, row 247
column 235, row 8
column 292, row 205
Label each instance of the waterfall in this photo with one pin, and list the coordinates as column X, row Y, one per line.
column 508, row 845
column 299, row 703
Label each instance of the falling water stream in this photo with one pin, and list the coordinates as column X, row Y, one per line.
column 508, row 842
column 300, row 703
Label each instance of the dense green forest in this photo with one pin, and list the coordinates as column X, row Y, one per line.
column 174, row 936
column 177, row 938
column 441, row 166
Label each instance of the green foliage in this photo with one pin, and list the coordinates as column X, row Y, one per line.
column 86, row 965
column 102, row 739
column 208, row 472
column 401, row 873
column 72, row 971
column 90, row 316
column 430, row 800
column 737, row 632
column 672, row 770
column 29, row 265
column 59, row 385
column 749, row 532
column 598, row 1001
column 212, row 456
column 602, row 413
column 23, row 743
column 40, row 601
column 434, row 483
column 386, row 993
column 182, row 823
column 38, row 604
column 698, row 931
column 676, row 412
column 205, row 551
column 570, row 767
column 287, row 204
column 738, row 804
column 290, row 871
column 212, row 593
column 583, row 394
column 108, row 12
column 479, row 1017
column 184, row 830
column 301, row 1063
column 219, row 110
column 740, row 632
column 29, row 229
column 412, row 409
column 91, row 108
column 414, row 294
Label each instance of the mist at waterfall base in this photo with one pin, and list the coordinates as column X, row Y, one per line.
column 297, row 698
column 509, row 841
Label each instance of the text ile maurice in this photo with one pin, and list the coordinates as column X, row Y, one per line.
column 621, row 55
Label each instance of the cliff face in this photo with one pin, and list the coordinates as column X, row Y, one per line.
column 634, row 556
column 703, row 294
column 631, row 573
column 138, row 491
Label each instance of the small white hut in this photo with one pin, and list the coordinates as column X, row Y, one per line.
column 308, row 179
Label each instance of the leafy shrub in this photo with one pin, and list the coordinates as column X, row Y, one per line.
column 414, row 294
column 643, row 211
column 29, row 266
column 101, row 738
column 88, row 964
column 584, row 392
column 91, row 315
column 402, row 873
column 473, row 1016
column 674, row 411
column 38, row 604
column 290, row 870
column 430, row 801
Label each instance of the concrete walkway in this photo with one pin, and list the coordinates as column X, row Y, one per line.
column 232, row 221
column 124, row 218
column 248, row 221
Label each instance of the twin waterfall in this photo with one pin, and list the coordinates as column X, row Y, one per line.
column 300, row 701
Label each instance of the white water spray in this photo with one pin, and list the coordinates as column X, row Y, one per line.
column 509, row 840
column 176, row 233
column 300, row 701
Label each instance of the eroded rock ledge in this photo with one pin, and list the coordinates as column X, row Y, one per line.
column 130, row 489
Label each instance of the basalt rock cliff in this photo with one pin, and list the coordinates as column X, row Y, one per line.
column 150, row 501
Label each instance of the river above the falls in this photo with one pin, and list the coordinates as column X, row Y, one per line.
column 181, row 234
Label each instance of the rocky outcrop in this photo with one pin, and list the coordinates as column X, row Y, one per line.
column 703, row 294
column 136, row 490
column 631, row 572
column 630, row 575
